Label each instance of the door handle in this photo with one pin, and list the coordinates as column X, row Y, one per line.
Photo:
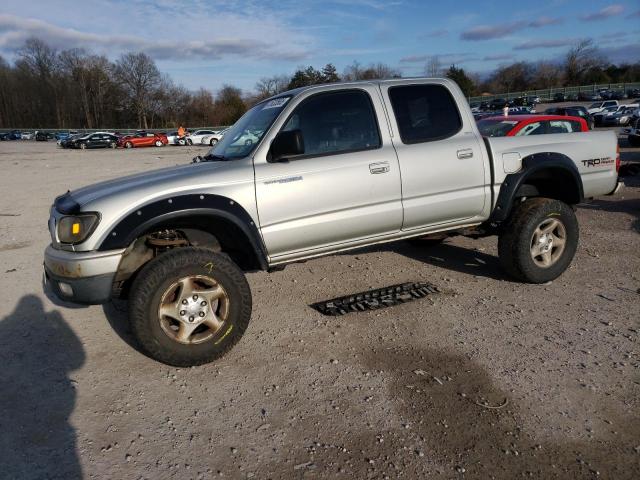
column 465, row 153
column 376, row 168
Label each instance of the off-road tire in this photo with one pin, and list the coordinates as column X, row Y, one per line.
column 515, row 241
column 158, row 143
column 213, row 141
column 151, row 283
column 128, row 145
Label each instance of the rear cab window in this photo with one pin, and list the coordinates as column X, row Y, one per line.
column 425, row 113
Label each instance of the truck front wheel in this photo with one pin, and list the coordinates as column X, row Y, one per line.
column 189, row 306
column 539, row 241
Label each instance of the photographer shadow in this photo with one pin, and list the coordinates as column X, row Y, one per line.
column 38, row 351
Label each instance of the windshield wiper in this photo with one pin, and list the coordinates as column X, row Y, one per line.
column 209, row 157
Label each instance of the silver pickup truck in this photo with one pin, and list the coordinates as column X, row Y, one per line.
column 312, row 172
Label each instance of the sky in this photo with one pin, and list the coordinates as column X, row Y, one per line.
column 207, row 44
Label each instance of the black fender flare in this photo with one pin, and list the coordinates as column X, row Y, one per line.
column 215, row 207
column 532, row 164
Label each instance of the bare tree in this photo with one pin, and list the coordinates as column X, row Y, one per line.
column 139, row 77
column 433, row 67
column 270, row 86
column 374, row 71
column 581, row 58
column 546, row 75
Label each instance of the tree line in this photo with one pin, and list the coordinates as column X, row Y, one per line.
column 75, row 88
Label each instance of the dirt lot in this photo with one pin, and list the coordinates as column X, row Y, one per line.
column 402, row 392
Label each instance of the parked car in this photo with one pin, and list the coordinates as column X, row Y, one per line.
column 572, row 111
column 143, row 139
column 176, row 242
column 598, row 118
column 214, row 138
column 26, row 135
column 500, row 126
column 63, row 135
column 633, row 132
column 621, row 116
column 498, row 104
column 197, row 136
column 533, row 99
column 588, row 96
column 68, row 141
column 14, row 135
column 612, row 94
column 597, row 107
column 633, row 93
column 519, row 102
column 93, row 140
column 4, row 136
column 174, row 139
column 559, row 97
column 42, row 136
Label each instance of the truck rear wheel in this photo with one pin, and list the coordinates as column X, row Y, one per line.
column 540, row 240
column 189, row 306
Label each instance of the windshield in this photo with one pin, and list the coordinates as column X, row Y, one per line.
column 242, row 138
column 595, row 105
column 495, row 128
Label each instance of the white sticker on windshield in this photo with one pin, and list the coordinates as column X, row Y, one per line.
column 276, row 103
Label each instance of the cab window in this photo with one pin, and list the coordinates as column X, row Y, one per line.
column 425, row 113
column 336, row 122
column 563, row 126
column 535, row 128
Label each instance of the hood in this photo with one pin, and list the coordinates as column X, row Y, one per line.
column 142, row 184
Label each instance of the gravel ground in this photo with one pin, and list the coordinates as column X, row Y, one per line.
column 490, row 379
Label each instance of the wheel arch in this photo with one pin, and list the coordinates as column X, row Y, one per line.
column 550, row 174
column 207, row 220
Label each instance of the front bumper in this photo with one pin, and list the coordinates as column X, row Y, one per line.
column 81, row 277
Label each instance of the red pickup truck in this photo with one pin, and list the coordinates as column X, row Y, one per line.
column 518, row 125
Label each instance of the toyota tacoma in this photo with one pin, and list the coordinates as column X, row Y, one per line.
column 311, row 172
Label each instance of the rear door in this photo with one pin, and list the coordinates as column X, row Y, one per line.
column 346, row 186
column 442, row 161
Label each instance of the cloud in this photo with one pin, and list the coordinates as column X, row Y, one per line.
column 374, row 4
column 15, row 30
column 545, row 21
column 490, row 32
column 635, row 14
column 444, row 58
column 610, row 11
column 622, row 53
column 435, row 33
column 499, row 56
column 551, row 43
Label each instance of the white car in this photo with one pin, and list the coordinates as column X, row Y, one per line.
column 174, row 139
column 197, row 136
column 598, row 107
column 27, row 135
column 214, row 138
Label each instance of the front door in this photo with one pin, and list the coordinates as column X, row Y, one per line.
column 345, row 187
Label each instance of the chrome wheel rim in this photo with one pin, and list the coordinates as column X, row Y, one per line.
column 193, row 309
column 548, row 242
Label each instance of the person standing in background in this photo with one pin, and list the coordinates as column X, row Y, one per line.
column 505, row 110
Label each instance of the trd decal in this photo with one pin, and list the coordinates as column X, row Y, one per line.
column 594, row 162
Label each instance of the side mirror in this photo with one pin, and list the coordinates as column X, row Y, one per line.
column 286, row 144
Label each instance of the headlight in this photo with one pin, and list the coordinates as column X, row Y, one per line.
column 76, row 228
